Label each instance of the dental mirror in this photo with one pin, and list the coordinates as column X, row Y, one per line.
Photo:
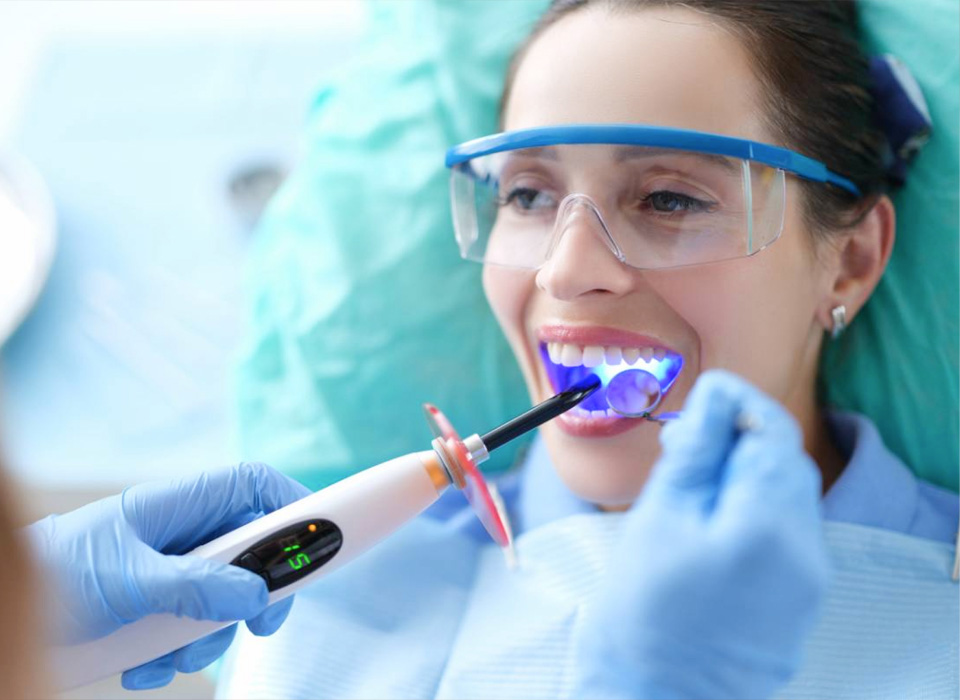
column 634, row 393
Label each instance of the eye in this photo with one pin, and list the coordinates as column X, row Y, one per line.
column 668, row 202
column 528, row 199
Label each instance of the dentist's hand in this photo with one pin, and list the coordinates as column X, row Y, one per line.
column 721, row 571
column 116, row 560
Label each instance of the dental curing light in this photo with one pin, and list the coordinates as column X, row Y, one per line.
column 298, row 544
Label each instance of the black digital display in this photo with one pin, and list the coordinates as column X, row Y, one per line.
column 290, row 554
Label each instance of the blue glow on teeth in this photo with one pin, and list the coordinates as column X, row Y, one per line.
column 666, row 371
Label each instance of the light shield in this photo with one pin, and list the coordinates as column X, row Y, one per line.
column 655, row 202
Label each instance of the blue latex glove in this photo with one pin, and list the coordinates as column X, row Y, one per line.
column 114, row 561
column 721, row 571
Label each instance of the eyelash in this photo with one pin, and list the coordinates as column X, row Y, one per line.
column 515, row 192
column 687, row 203
column 693, row 205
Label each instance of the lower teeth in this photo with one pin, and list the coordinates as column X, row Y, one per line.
column 587, row 413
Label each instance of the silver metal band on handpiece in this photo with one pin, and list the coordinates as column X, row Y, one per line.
column 476, row 448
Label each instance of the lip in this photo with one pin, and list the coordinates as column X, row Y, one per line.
column 572, row 422
column 578, row 425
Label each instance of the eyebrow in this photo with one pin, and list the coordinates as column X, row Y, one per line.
column 625, row 153
column 633, row 152
column 544, row 152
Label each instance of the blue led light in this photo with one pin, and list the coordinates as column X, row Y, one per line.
column 666, row 371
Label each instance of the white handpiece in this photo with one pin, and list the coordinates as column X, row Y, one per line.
column 320, row 533
column 366, row 508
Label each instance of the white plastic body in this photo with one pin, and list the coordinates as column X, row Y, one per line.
column 367, row 507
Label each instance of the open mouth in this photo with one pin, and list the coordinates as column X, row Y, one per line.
column 567, row 364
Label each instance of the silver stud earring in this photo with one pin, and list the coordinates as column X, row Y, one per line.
column 839, row 314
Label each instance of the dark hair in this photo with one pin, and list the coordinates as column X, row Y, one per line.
column 818, row 100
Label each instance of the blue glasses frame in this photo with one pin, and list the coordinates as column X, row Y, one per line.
column 646, row 135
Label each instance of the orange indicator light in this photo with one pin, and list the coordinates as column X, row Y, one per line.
column 311, row 527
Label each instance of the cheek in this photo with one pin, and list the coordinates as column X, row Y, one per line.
column 752, row 316
column 508, row 292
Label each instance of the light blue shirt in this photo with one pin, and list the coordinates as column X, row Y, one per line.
column 875, row 489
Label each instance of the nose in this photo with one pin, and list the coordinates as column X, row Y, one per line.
column 583, row 257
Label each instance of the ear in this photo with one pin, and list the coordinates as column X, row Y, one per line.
column 864, row 251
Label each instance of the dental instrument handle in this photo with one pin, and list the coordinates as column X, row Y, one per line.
column 541, row 413
column 320, row 533
column 663, row 417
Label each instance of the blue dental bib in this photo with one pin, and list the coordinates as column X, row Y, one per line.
column 430, row 615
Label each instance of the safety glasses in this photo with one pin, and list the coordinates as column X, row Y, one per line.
column 657, row 197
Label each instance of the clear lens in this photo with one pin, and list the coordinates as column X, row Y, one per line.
column 660, row 207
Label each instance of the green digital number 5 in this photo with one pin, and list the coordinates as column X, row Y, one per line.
column 298, row 561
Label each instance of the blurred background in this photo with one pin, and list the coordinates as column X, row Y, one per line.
column 139, row 142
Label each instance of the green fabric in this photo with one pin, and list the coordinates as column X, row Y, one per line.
column 362, row 309
column 898, row 361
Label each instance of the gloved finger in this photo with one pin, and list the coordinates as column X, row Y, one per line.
column 176, row 516
column 154, row 674
column 197, row 588
column 768, row 468
column 269, row 621
column 696, row 445
column 231, row 525
column 252, row 487
column 203, row 652
column 769, row 509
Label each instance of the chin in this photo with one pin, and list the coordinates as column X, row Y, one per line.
column 609, row 475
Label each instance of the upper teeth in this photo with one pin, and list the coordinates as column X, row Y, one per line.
column 595, row 355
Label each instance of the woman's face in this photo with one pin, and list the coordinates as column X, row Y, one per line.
column 755, row 316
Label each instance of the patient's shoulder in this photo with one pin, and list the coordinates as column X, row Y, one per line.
column 938, row 511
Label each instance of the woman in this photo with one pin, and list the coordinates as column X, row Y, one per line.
column 736, row 264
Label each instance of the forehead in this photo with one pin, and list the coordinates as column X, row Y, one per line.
column 665, row 66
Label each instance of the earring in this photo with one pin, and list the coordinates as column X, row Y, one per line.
column 839, row 314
